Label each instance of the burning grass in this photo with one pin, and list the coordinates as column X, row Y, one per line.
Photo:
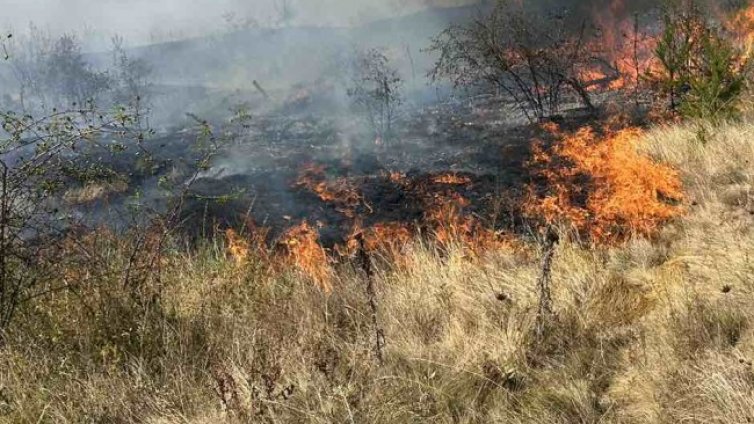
column 646, row 331
column 302, row 250
column 598, row 183
column 389, row 239
column 452, row 179
column 594, row 181
column 450, row 226
column 339, row 192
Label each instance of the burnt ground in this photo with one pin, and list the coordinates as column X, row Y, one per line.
column 466, row 139
column 479, row 139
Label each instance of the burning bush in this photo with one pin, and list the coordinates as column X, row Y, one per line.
column 602, row 187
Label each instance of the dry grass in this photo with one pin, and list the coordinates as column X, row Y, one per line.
column 93, row 192
column 649, row 332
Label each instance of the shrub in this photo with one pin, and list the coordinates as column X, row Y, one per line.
column 700, row 71
column 715, row 89
column 533, row 58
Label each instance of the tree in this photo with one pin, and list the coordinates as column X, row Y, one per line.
column 716, row 88
column 69, row 78
column 675, row 49
column 376, row 91
column 130, row 78
column 529, row 56
column 53, row 73
column 700, row 71
column 29, row 54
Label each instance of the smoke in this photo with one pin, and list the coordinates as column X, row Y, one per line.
column 145, row 21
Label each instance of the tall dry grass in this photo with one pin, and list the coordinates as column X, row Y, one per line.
column 653, row 331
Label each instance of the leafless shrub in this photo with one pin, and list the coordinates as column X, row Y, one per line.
column 376, row 91
column 130, row 78
column 530, row 57
column 53, row 72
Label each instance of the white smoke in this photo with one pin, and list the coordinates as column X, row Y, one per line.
column 145, row 21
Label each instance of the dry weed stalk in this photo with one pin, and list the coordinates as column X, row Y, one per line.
column 366, row 266
column 544, row 309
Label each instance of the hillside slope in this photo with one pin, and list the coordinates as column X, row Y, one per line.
column 285, row 56
column 656, row 331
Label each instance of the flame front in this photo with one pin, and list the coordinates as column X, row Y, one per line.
column 339, row 192
column 238, row 247
column 301, row 249
column 602, row 187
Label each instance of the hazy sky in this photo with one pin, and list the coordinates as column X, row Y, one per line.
column 142, row 21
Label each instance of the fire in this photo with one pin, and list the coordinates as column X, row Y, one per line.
column 339, row 192
column 237, row 247
column 389, row 239
column 602, row 187
column 626, row 51
column 301, row 249
column 741, row 25
column 451, row 226
column 452, row 179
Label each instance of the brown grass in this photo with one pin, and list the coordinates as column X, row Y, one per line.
column 645, row 332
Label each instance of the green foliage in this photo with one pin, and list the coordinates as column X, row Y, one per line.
column 40, row 158
column 701, row 72
column 715, row 89
column 674, row 52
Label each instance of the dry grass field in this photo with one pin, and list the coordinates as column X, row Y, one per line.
column 656, row 330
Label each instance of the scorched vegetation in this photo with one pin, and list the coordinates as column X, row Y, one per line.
column 602, row 272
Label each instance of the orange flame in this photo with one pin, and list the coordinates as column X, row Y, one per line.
column 741, row 26
column 389, row 239
column 626, row 49
column 238, row 247
column 451, row 226
column 303, row 250
column 452, row 179
column 339, row 192
column 603, row 187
